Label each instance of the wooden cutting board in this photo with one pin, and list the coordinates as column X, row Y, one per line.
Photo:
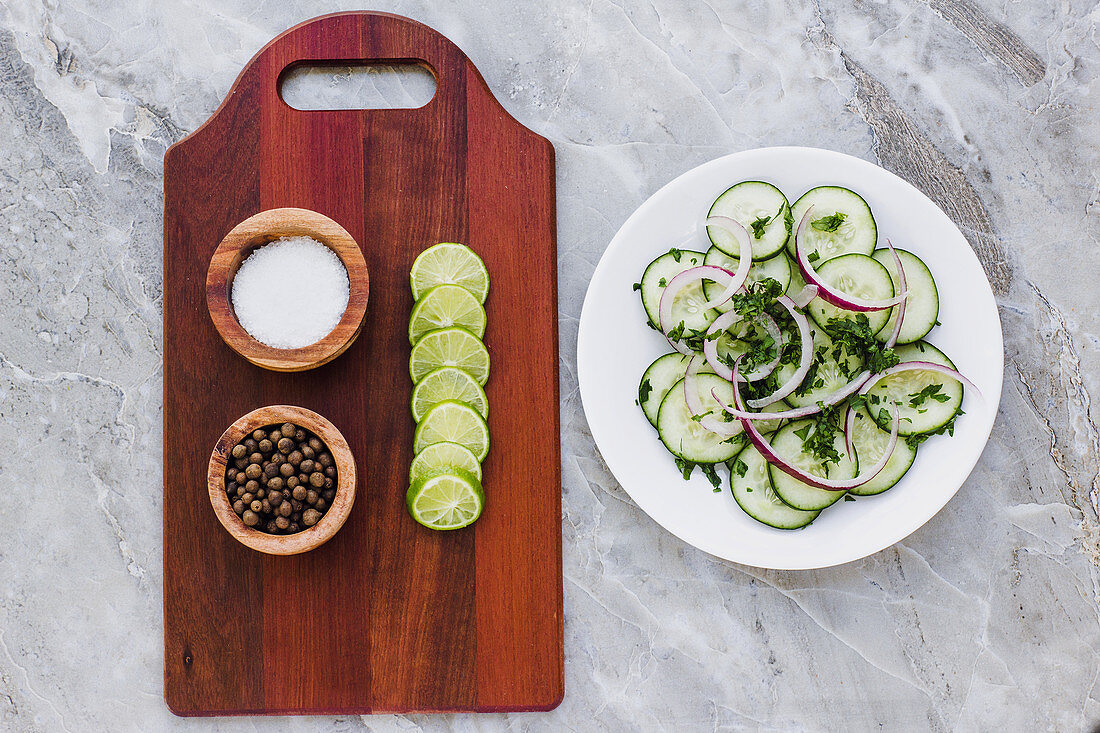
column 388, row 616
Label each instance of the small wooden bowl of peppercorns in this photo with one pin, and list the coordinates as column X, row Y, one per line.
column 282, row 480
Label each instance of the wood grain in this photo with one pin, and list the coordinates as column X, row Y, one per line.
column 333, row 519
column 258, row 230
column 387, row 615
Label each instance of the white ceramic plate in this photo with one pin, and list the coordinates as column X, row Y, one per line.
column 615, row 346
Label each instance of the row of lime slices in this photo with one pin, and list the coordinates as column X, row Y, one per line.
column 449, row 366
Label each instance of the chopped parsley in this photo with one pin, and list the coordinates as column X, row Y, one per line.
column 644, row 389
column 758, row 226
column 739, row 467
column 637, row 286
column 931, row 391
column 856, row 337
column 829, row 223
column 676, row 253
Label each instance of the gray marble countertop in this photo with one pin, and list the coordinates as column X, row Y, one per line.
column 984, row 619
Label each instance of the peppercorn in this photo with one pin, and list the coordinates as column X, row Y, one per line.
column 299, row 492
column 249, row 517
column 286, row 470
column 291, row 482
column 316, row 444
column 294, row 458
column 247, row 497
column 256, row 505
column 252, row 486
column 321, row 505
column 256, row 458
column 271, row 470
column 325, row 459
column 286, row 445
column 317, row 479
column 306, row 466
column 286, row 509
column 232, row 487
column 329, row 494
column 261, row 493
column 265, row 507
column 238, row 507
column 265, row 446
column 287, row 430
column 241, row 477
column 250, row 444
column 307, row 452
column 259, row 434
column 303, row 478
column 330, row 471
column 271, row 527
column 275, row 483
column 293, row 528
column 278, row 459
column 312, row 497
column 275, row 497
column 299, row 434
column 239, row 451
column 253, row 470
column 298, row 505
column 310, row 517
column 329, row 483
column 282, row 522
column 241, row 463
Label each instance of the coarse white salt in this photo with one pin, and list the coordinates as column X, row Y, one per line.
column 290, row 292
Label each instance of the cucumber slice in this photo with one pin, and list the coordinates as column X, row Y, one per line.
column 658, row 378
column 753, row 492
column 797, row 281
column 684, row 437
column 686, row 307
column 749, row 202
column 793, row 492
column 902, row 388
column 922, row 307
column 777, row 268
column 859, row 276
column 827, row 376
column 855, row 234
column 869, row 442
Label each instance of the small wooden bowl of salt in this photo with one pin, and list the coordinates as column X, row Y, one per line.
column 287, row 289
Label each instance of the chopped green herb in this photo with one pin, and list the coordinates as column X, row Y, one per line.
column 829, row 223
column 739, row 467
column 849, row 497
column 933, row 391
column 813, row 256
column 662, row 282
column 637, row 286
column 758, row 226
column 644, row 389
column 712, row 475
column 676, row 253
column 685, row 467
column 857, row 338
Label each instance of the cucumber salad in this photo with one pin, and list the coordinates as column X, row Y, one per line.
column 800, row 357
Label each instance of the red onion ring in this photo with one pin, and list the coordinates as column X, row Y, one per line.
column 803, row 297
column 695, row 404
column 833, row 398
column 849, row 428
column 904, row 297
column 724, row 321
column 737, row 230
column 825, row 291
column 675, row 285
column 804, row 361
column 806, row 477
column 930, row 366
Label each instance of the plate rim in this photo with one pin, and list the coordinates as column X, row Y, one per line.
column 906, row 526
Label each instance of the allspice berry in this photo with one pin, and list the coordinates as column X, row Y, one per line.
column 280, row 479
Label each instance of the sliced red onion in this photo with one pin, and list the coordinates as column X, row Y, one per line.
column 826, row 291
column 719, row 275
column 929, row 366
column 695, row 404
column 772, row 457
column 904, row 297
column 849, row 428
column 724, row 321
column 804, row 360
column 803, row 297
column 737, row 230
column 834, row 398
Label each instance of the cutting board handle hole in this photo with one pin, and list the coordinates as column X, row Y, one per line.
column 404, row 85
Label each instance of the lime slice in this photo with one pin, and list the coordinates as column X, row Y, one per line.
column 450, row 500
column 449, row 263
column 440, row 457
column 454, row 346
column 448, row 383
column 453, row 422
column 443, row 306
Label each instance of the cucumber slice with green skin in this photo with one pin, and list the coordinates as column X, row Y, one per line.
column 753, row 492
column 869, row 442
column 857, row 233
column 658, row 379
column 922, row 307
column 684, row 437
column 749, row 202
column 686, row 306
column 827, row 376
column 903, row 388
column 859, row 276
column 793, row 492
column 777, row 268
